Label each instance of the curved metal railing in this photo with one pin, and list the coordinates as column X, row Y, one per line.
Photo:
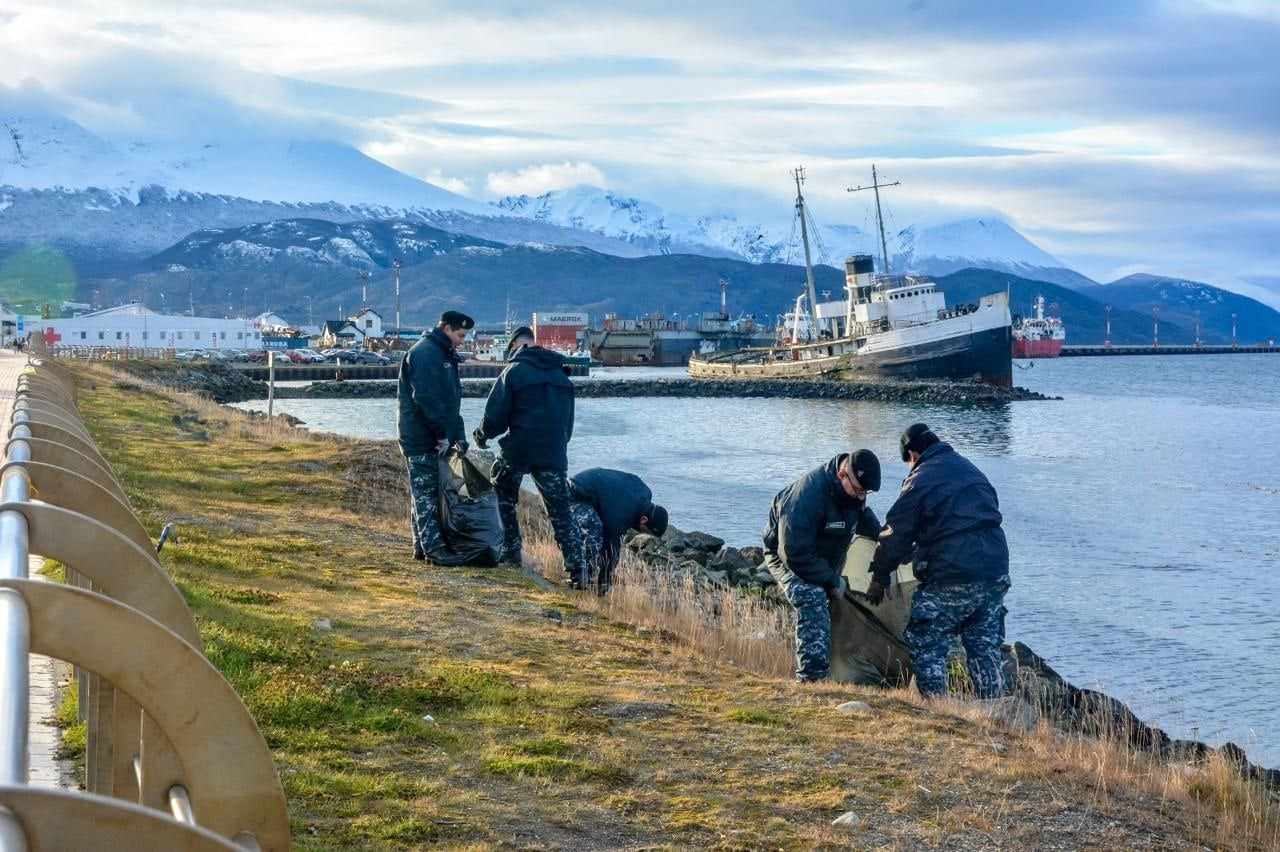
column 173, row 759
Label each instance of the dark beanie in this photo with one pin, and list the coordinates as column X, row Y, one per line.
column 522, row 331
column 918, row 438
column 658, row 520
column 457, row 319
column 866, row 469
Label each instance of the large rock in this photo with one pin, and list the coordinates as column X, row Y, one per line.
column 731, row 562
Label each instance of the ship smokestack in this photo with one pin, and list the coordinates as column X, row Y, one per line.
column 859, row 272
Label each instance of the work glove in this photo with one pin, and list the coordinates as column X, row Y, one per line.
column 876, row 592
column 478, row 436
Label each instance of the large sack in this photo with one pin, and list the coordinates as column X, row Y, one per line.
column 469, row 518
column 866, row 640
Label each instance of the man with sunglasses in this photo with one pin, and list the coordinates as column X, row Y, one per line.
column 947, row 516
column 811, row 525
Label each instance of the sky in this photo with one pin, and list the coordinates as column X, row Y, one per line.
column 1119, row 136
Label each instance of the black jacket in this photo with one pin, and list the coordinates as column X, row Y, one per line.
column 430, row 395
column 619, row 498
column 948, row 516
column 812, row 523
column 532, row 402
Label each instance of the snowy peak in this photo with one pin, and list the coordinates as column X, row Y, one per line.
column 41, row 151
column 975, row 241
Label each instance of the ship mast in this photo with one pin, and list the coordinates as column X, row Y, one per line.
column 808, row 262
column 876, row 185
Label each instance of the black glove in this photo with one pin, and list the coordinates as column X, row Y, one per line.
column 876, row 592
column 478, row 436
column 460, row 447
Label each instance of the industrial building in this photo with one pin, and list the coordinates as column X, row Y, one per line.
column 137, row 327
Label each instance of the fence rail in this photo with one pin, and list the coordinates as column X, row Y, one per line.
column 173, row 759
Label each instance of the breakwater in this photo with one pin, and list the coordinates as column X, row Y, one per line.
column 922, row 392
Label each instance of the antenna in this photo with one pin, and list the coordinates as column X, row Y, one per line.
column 876, row 185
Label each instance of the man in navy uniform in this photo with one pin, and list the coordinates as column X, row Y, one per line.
column 947, row 516
column 811, row 525
column 531, row 407
column 607, row 503
column 430, row 396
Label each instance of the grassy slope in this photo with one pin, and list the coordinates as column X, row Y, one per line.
column 551, row 726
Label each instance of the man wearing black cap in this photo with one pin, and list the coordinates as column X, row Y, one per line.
column 430, row 396
column 531, row 407
column 811, row 525
column 607, row 503
column 948, row 515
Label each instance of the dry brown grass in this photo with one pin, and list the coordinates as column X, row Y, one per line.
column 722, row 623
column 653, row 718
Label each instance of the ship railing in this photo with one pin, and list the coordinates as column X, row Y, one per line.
column 173, row 759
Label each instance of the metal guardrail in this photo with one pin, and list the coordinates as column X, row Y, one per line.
column 173, row 758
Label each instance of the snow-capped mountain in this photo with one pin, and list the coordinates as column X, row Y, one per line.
column 1187, row 303
column 988, row 243
column 51, row 152
column 367, row 246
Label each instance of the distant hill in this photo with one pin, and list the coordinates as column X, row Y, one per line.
column 1083, row 316
column 308, row 267
column 1179, row 300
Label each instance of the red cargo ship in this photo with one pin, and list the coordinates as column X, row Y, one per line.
column 1039, row 336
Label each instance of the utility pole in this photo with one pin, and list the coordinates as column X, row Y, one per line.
column 1155, row 326
column 876, row 185
column 364, row 287
column 396, row 264
column 808, row 261
column 246, row 302
column 1106, row 335
column 1197, row 329
column 1233, row 332
column 310, row 317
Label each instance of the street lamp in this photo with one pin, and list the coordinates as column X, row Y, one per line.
column 396, row 263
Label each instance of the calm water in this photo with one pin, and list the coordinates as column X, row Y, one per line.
column 1143, row 511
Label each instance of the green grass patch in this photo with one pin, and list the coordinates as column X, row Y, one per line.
column 756, row 716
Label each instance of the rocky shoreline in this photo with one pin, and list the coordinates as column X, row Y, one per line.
column 924, row 392
column 224, row 384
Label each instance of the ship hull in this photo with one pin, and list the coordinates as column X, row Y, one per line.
column 975, row 346
column 1046, row 347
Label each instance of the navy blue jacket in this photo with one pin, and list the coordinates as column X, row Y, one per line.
column 532, row 402
column 619, row 498
column 812, row 523
column 430, row 395
column 948, row 516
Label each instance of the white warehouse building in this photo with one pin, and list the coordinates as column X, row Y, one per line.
column 137, row 327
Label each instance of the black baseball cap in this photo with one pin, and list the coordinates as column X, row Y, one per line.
column 866, row 469
column 457, row 319
column 917, row 438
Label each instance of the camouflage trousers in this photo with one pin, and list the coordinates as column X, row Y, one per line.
column 813, row 621
column 424, row 503
column 598, row 556
column 972, row 611
column 553, row 485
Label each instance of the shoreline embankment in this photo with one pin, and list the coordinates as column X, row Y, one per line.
column 225, row 384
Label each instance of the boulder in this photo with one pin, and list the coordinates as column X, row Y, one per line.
column 754, row 554
column 731, row 562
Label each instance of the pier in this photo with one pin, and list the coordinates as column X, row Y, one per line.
column 1083, row 351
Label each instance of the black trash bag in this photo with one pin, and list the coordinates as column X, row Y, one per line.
column 469, row 518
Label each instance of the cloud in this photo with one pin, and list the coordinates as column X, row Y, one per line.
column 1115, row 134
column 535, row 180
